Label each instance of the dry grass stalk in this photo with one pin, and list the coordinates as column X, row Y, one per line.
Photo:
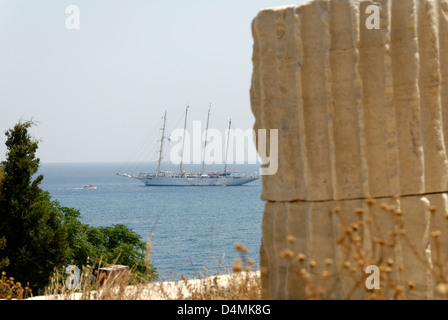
column 11, row 289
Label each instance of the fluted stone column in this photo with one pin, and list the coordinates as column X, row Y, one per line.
column 362, row 115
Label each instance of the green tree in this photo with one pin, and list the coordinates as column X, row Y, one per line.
column 113, row 244
column 4, row 261
column 30, row 223
column 81, row 247
column 122, row 244
column 2, row 177
column 127, row 248
column 38, row 235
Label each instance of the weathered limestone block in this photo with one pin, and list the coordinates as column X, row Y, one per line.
column 318, row 228
column 361, row 114
column 113, row 275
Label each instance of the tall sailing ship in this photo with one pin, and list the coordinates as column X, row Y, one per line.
column 183, row 178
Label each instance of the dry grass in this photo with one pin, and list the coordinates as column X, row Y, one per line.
column 362, row 242
column 242, row 283
column 10, row 289
column 376, row 235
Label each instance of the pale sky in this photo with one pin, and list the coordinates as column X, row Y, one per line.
column 97, row 92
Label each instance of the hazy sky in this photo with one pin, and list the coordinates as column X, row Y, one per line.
column 98, row 92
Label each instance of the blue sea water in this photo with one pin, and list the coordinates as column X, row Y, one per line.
column 192, row 229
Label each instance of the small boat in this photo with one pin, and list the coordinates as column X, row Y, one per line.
column 89, row 187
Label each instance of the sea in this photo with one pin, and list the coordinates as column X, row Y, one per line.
column 193, row 230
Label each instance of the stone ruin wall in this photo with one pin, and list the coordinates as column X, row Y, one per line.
column 361, row 113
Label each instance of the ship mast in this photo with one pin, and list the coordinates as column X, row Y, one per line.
column 227, row 147
column 161, row 143
column 205, row 142
column 183, row 140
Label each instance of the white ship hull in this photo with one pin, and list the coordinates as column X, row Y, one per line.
column 169, row 178
column 183, row 180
